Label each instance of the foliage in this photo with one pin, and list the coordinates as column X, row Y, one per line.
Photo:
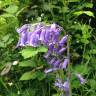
column 78, row 19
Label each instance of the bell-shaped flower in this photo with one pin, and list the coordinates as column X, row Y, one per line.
column 63, row 40
column 34, row 40
column 23, row 28
column 81, row 79
column 64, row 64
column 56, row 63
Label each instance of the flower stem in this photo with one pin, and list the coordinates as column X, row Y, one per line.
column 69, row 65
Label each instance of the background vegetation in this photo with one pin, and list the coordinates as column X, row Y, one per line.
column 77, row 17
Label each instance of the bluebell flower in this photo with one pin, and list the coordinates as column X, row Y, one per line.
column 61, row 50
column 50, row 70
column 81, row 79
column 57, row 63
column 52, row 60
column 63, row 40
column 23, row 39
column 62, row 86
column 42, row 35
column 23, row 28
column 34, row 40
column 64, row 64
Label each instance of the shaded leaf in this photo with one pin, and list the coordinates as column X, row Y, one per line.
column 40, row 75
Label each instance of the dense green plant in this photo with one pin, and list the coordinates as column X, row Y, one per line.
column 76, row 16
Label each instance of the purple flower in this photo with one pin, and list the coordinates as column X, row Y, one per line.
column 42, row 35
column 47, row 35
column 63, row 40
column 51, row 47
column 38, row 26
column 81, row 79
column 64, row 64
column 34, row 40
column 63, row 86
column 47, row 54
column 61, row 50
column 23, row 28
column 57, row 63
column 23, row 39
column 66, row 85
column 52, row 60
column 50, row 70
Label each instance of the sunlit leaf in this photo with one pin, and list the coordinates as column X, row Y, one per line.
column 89, row 13
column 28, row 75
column 28, row 63
column 28, row 52
column 12, row 9
column 42, row 49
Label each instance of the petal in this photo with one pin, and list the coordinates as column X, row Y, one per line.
column 81, row 79
column 50, row 70
column 42, row 35
column 23, row 28
column 57, row 63
column 61, row 50
column 65, row 63
column 63, row 40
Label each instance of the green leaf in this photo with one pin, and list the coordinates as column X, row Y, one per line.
column 6, row 15
column 93, row 51
column 6, row 37
column 90, row 5
column 73, row 0
column 82, row 69
column 89, row 13
column 28, row 52
column 12, row 9
column 42, row 49
column 28, row 63
column 93, row 84
column 40, row 75
column 28, row 75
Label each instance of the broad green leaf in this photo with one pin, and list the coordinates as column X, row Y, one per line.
column 89, row 13
column 28, row 75
column 42, row 49
column 28, row 52
column 28, row 63
column 12, row 9
column 6, row 15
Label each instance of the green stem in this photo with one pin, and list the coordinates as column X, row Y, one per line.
column 69, row 65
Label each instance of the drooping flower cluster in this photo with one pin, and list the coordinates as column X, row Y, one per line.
column 49, row 36
column 34, row 35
